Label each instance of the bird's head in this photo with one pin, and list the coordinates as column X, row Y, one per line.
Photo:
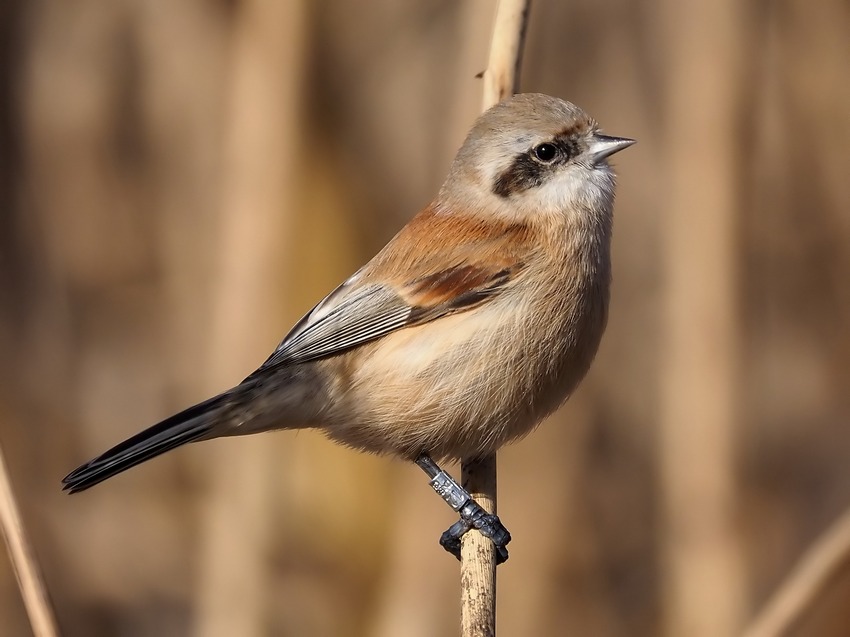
column 534, row 155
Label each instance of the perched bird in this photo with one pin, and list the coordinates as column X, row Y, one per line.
column 478, row 319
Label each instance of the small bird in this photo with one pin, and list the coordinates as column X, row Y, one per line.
column 477, row 320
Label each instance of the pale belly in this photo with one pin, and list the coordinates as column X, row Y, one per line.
column 463, row 388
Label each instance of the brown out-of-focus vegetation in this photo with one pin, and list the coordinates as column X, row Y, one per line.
column 179, row 182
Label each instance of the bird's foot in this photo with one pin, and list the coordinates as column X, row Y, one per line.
column 472, row 514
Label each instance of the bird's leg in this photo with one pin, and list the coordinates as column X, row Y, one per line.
column 472, row 515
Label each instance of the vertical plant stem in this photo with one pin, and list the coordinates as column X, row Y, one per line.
column 256, row 228
column 704, row 587
column 30, row 581
column 501, row 78
column 478, row 555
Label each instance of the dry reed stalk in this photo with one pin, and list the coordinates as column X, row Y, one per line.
column 819, row 567
column 478, row 554
column 703, row 573
column 256, row 228
column 24, row 563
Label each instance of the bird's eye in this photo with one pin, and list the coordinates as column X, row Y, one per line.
column 545, row 152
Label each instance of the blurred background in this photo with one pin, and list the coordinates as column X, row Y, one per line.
column 180, row 182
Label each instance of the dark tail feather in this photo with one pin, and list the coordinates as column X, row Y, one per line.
column 189, row 425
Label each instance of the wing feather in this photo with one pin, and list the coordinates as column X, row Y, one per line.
column 373, row 311
column 476, row 263
column 356, row 318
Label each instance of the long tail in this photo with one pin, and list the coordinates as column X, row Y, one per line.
column 189, row 425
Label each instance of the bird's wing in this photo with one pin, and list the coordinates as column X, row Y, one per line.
column 355, row 314
column 437, row 265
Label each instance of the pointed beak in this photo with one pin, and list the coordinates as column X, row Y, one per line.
column 602, row 146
